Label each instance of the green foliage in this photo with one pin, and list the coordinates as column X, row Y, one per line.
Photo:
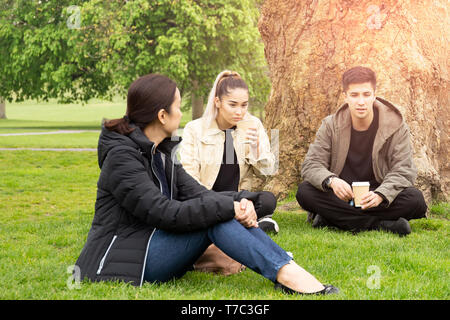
column 44, row 54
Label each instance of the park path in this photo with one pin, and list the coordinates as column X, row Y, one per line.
column 49, row 149
column 180, row 131
column 44, row 133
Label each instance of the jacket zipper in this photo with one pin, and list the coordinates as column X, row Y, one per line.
column 150, row 238
column 145, row 258
column 171, row 180
column 151, row 166
column 100, row 267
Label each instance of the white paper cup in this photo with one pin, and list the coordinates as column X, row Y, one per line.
column 359, row 189
column 244, row 125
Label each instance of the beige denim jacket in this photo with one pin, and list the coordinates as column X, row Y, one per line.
column 201, row 153
column 392, row 154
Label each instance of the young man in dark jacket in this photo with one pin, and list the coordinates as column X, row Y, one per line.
column 368, row 140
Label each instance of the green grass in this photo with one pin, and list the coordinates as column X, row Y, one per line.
column 75, row 140
column 440, row 210
column 19, row 126
column 47, row 205
column 95, row 110
column 32, row 116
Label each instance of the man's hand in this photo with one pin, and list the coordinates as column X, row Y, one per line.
column 245, row 213
column 370, row 200
column 341, row 189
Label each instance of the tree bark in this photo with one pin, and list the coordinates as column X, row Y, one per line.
column 308, row 46
column 2, row 109
column 197, row 102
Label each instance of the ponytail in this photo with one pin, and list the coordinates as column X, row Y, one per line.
column 120, row 125
column 225, row 81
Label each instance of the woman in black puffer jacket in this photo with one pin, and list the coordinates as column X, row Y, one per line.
column 152, row 220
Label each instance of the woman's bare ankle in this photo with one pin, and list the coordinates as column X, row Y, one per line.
column 295, row 277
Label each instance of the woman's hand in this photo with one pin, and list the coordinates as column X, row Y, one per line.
column 245, row 213
column 341, row 189
column 253, row 139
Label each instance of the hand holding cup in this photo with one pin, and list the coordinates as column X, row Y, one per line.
column 370, row 200
column 250, row 128
column 251, row 136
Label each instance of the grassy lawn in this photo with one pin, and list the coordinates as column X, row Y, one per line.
column 31, row 116
column 47, row 205
column 46, row 209
column 75, row 140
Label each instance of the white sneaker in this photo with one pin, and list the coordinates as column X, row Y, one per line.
column 268, row 225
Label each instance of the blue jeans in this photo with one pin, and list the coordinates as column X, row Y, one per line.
column 171, row 255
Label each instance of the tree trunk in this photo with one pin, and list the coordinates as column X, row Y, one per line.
column 197, row 102
column 2, row 109
column 308, row 46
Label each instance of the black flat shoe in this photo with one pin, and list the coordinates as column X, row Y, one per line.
column 329, row 289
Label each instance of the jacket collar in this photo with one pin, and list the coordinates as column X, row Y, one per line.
column 389, row 121
column 146, row 145
column 390, row 118
column 212, row 128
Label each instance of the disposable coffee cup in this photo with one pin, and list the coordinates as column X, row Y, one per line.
column 244, row 125
column 360, row 189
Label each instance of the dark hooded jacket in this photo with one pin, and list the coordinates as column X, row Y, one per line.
column 130, row 206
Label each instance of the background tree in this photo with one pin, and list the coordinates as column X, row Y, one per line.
column 309, row 44
column 78, row 50
column 2, row 109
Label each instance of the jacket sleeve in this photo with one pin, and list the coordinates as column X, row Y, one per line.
column 135, row 191
column 315, row 168
column 403, row 172
column 265, row 163
column 189, row 188
column 188, row 157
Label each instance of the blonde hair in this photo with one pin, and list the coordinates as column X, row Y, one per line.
column 210, row 113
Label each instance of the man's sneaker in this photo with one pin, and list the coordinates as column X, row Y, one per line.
column 319, row 222
column 311, row 217
column 268, row 225
column 400, row 226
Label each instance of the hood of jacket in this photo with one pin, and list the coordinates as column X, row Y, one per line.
column 390, row 118
column 137, row 140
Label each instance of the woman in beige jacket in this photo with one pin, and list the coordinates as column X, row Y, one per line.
column 227, row 147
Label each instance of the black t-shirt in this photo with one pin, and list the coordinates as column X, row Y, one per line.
column 228, row 177
column 358, row 165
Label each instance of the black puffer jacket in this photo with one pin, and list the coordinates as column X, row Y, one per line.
column 130, row 206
